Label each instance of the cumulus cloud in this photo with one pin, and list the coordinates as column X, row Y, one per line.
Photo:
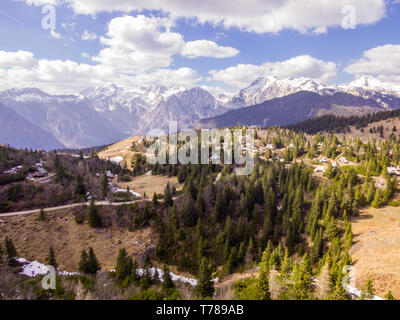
column 87, row 36
column 382, row 62
column 207, row 48
column 139, row 43
column 242, row 75
column 142, row 43
column 259, row 16
column 16, row 59
column 20, row 69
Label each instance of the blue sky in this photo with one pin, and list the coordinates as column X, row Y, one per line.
column 224, row 45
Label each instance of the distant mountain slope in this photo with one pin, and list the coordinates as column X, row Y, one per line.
column 19, row 132
column 337, row 124
column 291, row 109
column 68, row 118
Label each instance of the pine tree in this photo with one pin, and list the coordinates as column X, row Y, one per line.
column 93, row 264
column 167, row 196
column 368, row 291
column 88, row 263
column 104, row 186
column 389, row 296
column 10, row 249
column 94, row 219
column 83, row 262
column 80, row 188
column 205, row 285
column 51, row 260
column 154, row 201
column 167, row 280
column 263, row 278
column 41, row 216
column 124, row 265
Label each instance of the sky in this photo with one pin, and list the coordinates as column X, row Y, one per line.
column 66, row 46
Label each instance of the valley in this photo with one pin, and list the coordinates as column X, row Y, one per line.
column 313, row 204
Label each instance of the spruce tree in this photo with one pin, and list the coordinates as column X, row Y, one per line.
column 83, row 262
column 41, row 216
column 124, row 265
column 10, row 249
column 93, row 264
column 51, row 260
column 389, row 296
column 94, row 219
column 263, row 278
column 104, row 186
column 80, row 188
column 167, row 196
column 368, row 291
column 205, row 285
column 167, row 280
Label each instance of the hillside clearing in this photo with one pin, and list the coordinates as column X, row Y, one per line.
column 150, row 184
column 34, row 238
column 376, row 249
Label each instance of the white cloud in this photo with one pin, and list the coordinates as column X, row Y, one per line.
column 207, row 48
column 382, row 62
column 242, row 75
column 85, row 55
column 17, row 59
column 20, row 70
column 259, row 16
column 137, row 44
column 87, row 36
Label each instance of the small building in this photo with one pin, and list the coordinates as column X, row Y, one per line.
column 109, row 174
column 40, row 173
column 393, row 171
column 320, row 169
column 343, row 160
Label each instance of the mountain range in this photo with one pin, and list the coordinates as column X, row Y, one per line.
column 102, row 115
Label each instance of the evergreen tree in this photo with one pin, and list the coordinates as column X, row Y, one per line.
column 389, row 296
column 80, row 188
column 94, row 219
column 83, row 262
column 368, row 291
column 10, row 250
column 93, row 264
column 205, row 285
column 167, row 196
column 123, row 269
column 51, row 260
column 88, row 262
column 263, row 278
column 104, row 186
column 41, row 216
column 154, row 201
column 167, row 280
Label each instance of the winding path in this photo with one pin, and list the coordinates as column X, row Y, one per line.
column 67, row 206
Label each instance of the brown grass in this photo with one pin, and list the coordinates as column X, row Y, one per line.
column 150, row 184
column 32, row 239
column 376, row 251
column 123, row 149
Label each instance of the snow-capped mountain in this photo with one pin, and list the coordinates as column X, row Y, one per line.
column 387, row 95
column 267, row 88
column 102, row 115
column 140, row 110
column 69, row 119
